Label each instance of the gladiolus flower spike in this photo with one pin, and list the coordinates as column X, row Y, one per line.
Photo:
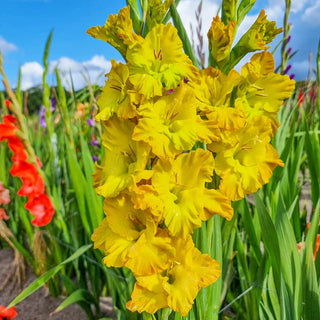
column 38, row 204
column 155, row 110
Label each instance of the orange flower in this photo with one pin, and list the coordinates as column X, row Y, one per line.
column 7, row 314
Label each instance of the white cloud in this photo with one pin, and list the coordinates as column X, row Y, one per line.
column 298, row 5
column 311, row 14
column 94, row 69
column 31, row 75
column 6, row 47
column 187, row 9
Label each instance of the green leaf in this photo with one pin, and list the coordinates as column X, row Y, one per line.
column 270, row 239
column 312, row 293
column 34, row 286
column 250, row 231
column 79, row 295
column 183, row 34
column 243, row 9
column 135, row 15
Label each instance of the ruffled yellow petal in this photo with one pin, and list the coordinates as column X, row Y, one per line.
column 182, row 289
column 214, row 89
column 213, row 97
column 261, row 33
column 117, row 31
column 119, row 212
column 215, row 203
column 171, row 124
column 220, row 40
column 248, row 159
column 144, row 196
column 130, row 238
column 156, row 12
column 191, row 271
column 181, row 191
column 262, row 92
column 159, row 62
column 148, row 294
column 123, row 158
column 99, row 235
column 227, row 118
column 114, row 98
column 150, row 254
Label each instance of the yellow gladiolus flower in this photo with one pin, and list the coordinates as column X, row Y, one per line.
column 148, row 294
column 130, row 238
column 117, row 31
column 156, row 12
column 261, row 33
column 123, row 158
column 213, row 96
column 159, row 62
column 246, row 161
column 116, row 96
column 185, row 199
column 179, row 285
column 220, row 38
column 171, row 125
column 261, row 92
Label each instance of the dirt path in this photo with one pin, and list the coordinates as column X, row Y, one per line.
column 39, row 305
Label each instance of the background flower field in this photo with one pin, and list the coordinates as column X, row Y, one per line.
column 267, row 252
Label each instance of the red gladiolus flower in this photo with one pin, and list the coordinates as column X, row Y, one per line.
column 8, row 103
column 41, row 207
column 7, row 314
column 7, row 128
column 33, row 187
column 32, row 183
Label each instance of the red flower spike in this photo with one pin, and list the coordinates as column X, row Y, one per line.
column 7, row 314
column 33, row 187
column 41, row 207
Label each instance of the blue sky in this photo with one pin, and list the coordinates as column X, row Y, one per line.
column 26, row 24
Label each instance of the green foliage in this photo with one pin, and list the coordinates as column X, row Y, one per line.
column 264, row 276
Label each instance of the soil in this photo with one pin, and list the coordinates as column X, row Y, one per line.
column 40, row 304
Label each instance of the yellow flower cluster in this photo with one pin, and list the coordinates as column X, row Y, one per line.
column 155, row 109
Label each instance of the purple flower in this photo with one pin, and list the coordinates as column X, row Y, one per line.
column 292, row 75
column 42, row 117
column 289, row 51
column 186, row 80
column 90, row 122
column 53, row 104
column 288, row 39
column 95, row 143
column 287, row 69
column 94, row 158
